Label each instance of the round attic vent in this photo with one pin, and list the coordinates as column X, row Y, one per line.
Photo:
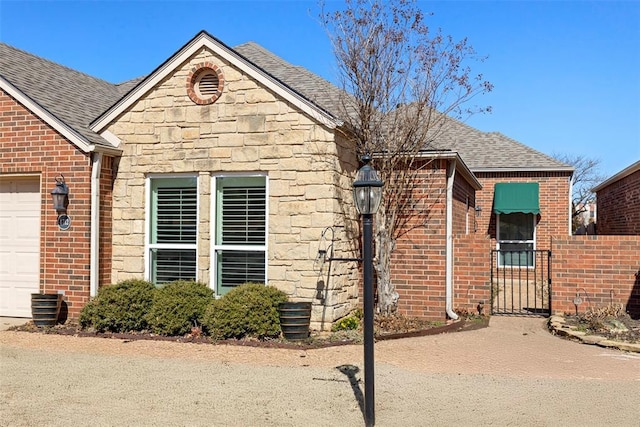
column 205, row 84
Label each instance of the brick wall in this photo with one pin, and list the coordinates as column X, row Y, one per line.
column 30, row 146
column 106, row 220
column 554, row 203
column 418, row 262
column 619, row 207
column 601, row 269
column 472, row 272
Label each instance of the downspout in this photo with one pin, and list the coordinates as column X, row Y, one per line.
column 94, row 270
column 571, row 205
column 451, row 173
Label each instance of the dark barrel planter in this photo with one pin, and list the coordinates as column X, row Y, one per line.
column 45, row 309
column 294, row 319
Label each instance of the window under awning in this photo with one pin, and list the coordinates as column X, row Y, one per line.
column 511, row 197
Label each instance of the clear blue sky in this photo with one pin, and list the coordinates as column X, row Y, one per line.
column 566, row 73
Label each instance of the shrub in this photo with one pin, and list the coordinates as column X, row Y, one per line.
column 347, row 323
column 119, row 308
column 178, row 307
column 248, row 310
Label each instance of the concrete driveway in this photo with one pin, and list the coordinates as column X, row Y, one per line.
column 512, row 373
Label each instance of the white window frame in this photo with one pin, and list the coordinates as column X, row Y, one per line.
column 214, row 222
column 499, row 242
column 148, row 246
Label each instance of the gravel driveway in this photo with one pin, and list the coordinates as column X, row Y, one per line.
column 512, row 373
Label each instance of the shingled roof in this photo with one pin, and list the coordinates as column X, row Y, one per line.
column 77, row 99
column 481, row 151
column 492, row 151
column 73, row 97
column 313, row 87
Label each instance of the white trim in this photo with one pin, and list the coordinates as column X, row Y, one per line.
column 147, row 220
column 533, row 241
column 214, row 220
column 57, row 124
column 94, row 263
column 451, row 175
column 226, row 53
column 617, row 177
column 571, row 178
column 111, row 138
column 531, row 169
column 49, row 118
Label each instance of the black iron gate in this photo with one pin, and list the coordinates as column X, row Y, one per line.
column 521, row 282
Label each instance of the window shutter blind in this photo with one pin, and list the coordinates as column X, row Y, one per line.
column 176, row 215
column 243, row 216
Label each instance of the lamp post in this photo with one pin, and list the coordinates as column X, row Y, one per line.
column 367, row 194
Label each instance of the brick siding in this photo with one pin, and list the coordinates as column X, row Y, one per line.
column 619, row 207
column 601, row 269
column 30, row 146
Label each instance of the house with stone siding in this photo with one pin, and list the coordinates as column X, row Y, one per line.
column 227, row 165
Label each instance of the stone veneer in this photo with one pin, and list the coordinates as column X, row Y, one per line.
column 248, row 129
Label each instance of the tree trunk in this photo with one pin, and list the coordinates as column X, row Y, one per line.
column 387, row 295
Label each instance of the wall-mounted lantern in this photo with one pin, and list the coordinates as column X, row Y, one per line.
column 478, row 211
column 60, row 195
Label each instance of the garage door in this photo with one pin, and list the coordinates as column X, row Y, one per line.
column 19, row 244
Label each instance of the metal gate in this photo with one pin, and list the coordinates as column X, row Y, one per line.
column 521, row 282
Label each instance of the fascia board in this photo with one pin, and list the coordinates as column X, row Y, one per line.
column 203, row 39
column 617, row 177
column 461, row 166
column 68, row 132
column 568, row 169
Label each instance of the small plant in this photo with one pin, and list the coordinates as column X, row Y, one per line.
column 250, row 310
column 347, row 323
column 178, row 307
column 119, row 308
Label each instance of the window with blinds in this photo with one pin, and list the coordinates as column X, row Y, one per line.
column 173, row 233
column 241, row 232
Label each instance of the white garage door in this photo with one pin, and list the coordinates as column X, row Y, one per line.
column 19, row 244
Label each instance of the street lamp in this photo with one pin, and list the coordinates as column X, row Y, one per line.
column 367, row 194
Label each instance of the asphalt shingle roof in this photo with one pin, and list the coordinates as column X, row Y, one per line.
column 313, row 87
column 77, row 99
column 73, row 97
column 491, row 150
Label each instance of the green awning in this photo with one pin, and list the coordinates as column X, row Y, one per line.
column 510, row 197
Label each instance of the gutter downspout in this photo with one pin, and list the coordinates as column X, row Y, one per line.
column 571, row 205
column 451, row 173
column 96, row 167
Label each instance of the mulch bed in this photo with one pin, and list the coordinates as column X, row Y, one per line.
column 387, row 328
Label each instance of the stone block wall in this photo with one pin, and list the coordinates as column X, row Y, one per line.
column 248, row 129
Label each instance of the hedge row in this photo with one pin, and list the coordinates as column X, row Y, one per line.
column 174, row 309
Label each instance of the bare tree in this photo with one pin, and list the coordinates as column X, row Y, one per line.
column 403, row 82
column 585, row 177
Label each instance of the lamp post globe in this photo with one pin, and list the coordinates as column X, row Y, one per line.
column 367, row 188
column 367, row 194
